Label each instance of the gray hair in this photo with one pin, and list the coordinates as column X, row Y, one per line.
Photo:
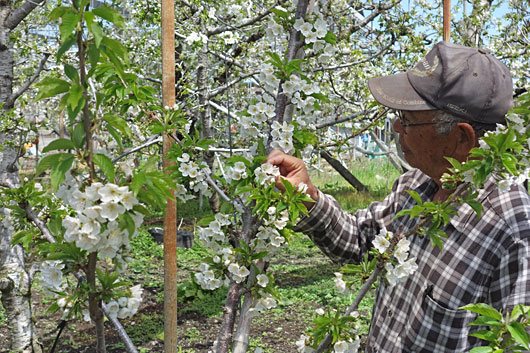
column 446, row 122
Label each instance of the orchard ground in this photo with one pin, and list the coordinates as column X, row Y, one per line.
column 304, row 277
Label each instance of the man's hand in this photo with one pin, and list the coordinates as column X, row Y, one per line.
column 295, row 171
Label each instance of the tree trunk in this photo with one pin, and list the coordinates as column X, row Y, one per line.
column 15, row 281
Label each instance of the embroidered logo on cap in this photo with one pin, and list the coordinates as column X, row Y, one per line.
column 429, row 69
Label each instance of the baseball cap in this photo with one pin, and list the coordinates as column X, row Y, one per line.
column 467, row 82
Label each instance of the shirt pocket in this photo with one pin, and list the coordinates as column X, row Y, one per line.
column 436, row 328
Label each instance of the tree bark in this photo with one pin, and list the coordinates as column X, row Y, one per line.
column 15, row 281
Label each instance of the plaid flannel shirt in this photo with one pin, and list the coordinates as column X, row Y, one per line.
column 484, row 259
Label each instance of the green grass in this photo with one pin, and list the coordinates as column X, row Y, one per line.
column 378, row 175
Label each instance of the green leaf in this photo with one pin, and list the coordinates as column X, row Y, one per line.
column 115, row 47
column 510, row 163
column 330, row 38
column 109, row 14
column 519, row 334
column 484, row 310
column 106, row 165
column 68, row 25
column 93, row 54
column 78, row 135
column 59, row 171
column 59, row 144
column 97, row 32
column 50, row 161
column 280, row 13
column 476, row 206
column 71, row 73
column 118, row 123
column 294, row 66
column 485, row 335
column 24, row 238
column 59, row 12
column 116, row 135
column 129, row 223
column 481, row 350
column 52, row 86
column 320, row 96
column 67, row 44
column 415, row 196
column 275, row 60
column 75, row 96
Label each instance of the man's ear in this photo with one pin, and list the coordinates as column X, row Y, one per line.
column 467, row 139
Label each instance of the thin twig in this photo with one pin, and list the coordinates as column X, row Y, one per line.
column 220, row 90
column 151, row 141
column 241, row 25
column 355, row 63
column 37, row 222
column 348, row 118
column 11, row 100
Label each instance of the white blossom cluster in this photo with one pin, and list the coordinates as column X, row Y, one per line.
column 313, row 34
column 52, row 275
column 266, row 174
column 126, row 307
column 282, row 137
column 206, row 278
column 404, row 268
column 312, row 31
column 301, row 345
column 265, row 302
column 277, row 219
column 350, row 346
column 195, row 37
column 274, row 32
column 300, row 93
column 261, row 110
column 236, row 172
column 267, row 239
column 197, row 173
column 215, row 239
column 340, row 284
column 95, row 226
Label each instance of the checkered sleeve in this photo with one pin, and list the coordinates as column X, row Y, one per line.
column 345, row 237
column 511, row 281
column 510, row 284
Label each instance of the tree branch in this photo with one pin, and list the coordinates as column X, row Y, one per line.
column 348, row 118
column 19, row 14
column 370, row 58
column 379, row 9
column 129, row 345
column 220, row 90
column 242, row 25
column 11, row 100
column 151, row 141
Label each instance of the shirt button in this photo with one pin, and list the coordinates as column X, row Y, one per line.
column 390, row 313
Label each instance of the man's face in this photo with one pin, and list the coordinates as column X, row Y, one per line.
column 422, row 146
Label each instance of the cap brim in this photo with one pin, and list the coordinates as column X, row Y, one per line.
column 396, row 92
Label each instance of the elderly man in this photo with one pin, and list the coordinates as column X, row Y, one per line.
column 444, row 103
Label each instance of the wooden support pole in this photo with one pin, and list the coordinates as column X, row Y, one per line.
column 447, row 21
column 170, row 218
